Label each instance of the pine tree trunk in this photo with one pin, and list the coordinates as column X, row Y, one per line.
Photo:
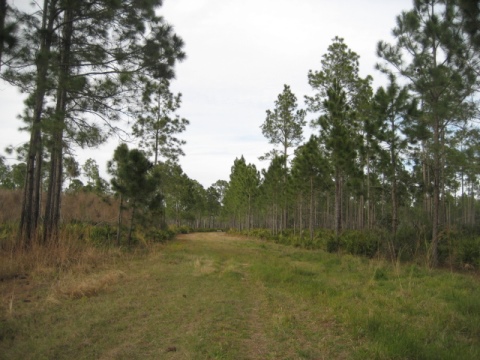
column 338, row 202
column 52, row 210
column 33, row 180
column 119, row 220
column 436, row 195
column 361, row 215
column 310, row 225
column 132, row 218
column 394, row 194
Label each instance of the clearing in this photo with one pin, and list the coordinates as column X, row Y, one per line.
column 216, row 296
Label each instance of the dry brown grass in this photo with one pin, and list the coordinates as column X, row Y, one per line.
column 89, row 207
column 71, row 252
column 81, row 207
column 74, row 287
column 42, row 260
column 10, row 205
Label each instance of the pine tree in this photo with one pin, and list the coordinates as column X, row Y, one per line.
column 284, row 125
column 8, row 37
column 242, row 192
column 338, row 88
column 99, row 71
column 393, row 108
column 434, row 56
column 273, row 191
column 131, row 180
column 310, row 171
column 157, row 125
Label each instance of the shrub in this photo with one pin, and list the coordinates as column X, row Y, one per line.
column 469, row 251
column 366, row 243
column 156, row 235
column 101, row 235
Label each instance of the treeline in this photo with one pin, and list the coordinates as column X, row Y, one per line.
column 401, row 159
column 85, row 65
column 396, row 165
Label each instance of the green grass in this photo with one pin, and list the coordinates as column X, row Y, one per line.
column 214, row 296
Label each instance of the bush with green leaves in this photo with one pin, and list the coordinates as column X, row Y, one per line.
column 365, row 243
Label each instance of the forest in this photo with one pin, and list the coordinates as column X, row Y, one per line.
column 390, row 171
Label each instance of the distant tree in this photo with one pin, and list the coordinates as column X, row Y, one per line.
column 284, row 125
column 71, row 168
column 174, row 189
column 130, row 170
column 242, row 192
column 310, row 171
column 338, row 86
column 157, row 126
column 213, row 205
column 273, row 191
column 95, row 183
column 394, row 107
column 5, row 175
column 220, row 187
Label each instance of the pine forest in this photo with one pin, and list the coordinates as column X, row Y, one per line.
column 391, row 171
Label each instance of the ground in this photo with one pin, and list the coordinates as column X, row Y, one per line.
column 216, row 296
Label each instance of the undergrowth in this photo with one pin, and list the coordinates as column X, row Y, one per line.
column 457, row 249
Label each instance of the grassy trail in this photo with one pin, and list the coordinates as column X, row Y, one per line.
column 214, row 296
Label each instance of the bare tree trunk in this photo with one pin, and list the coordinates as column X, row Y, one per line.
column 393, row 157
column 132, row 218
column 310, row 225
column 52, row 210
column 119, row 220
column 361, row 212
column 338, row 203
column 436, row 196
column 33, row 180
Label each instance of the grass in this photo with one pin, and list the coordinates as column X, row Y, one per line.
column 214, row 296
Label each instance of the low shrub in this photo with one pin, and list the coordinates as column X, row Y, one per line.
column 458, row 249
column 365, row 243
column 182, row 229
column 468, row 252
column 157, row 235
column 102, row 235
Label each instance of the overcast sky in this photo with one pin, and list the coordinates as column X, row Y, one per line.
column 240, row 53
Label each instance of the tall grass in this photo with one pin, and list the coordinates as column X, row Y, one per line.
column 70, row 253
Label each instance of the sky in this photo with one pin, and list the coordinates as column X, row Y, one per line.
column 240, row 54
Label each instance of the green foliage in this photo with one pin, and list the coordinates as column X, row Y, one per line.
column 157, row 126
column 134, row 182
column 101, row 235
column 365, row 243
column 332, row 243
column 156, row 235
column 242, row 191
column 284, row 125
column 95, row 183
column 183, row 229
column 12, row 177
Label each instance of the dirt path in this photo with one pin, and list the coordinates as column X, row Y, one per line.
column 202, row 296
